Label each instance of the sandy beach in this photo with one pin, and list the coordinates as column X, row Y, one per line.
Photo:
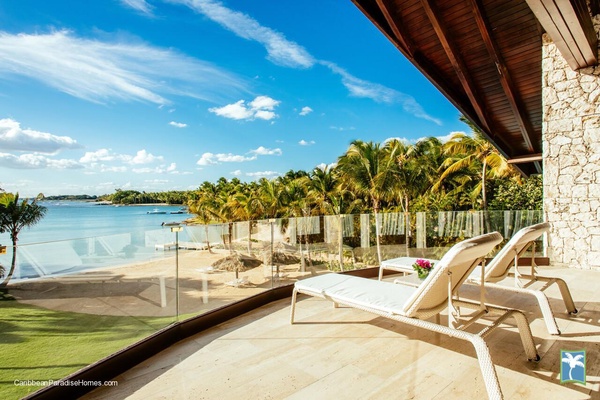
column 135, row 289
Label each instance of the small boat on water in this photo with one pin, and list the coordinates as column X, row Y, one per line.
column 156, row 211
column 182, row 210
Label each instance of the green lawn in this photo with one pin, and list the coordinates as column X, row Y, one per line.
column 40, row 344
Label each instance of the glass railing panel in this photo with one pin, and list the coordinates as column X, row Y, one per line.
column 71, row 303
column 106, row 292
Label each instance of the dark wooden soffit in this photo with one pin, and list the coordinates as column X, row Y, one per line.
column 569, row 24
column 484, row 55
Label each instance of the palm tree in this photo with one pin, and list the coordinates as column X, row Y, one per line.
column 245, row 206
column 331, row 197
column 15, row 215
column 573, row 362
column 269, row 195
column 294, row 200
column 203, row 204
column 468, row 153
column 369, row 170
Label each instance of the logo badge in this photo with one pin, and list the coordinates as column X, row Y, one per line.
column 572, row 366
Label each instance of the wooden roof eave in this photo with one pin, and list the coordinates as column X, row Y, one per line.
column 508, row 86
column 390, row 29
column 570, row 26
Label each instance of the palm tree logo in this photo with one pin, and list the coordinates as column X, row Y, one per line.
column 575, row 360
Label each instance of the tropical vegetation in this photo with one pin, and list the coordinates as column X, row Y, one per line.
column 465, row 173
column 16, row 214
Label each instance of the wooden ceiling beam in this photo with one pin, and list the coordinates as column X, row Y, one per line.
column 570, row 26
column 457, row 62
column 508, row 86
column 401, row 37
column 525, row 159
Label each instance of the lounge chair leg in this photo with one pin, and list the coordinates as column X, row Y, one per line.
column 551, row 324
column 526, row 336
column 566, row 295
column 380, row 273
column 293, row 307
column 490, row 378
column 547, row 313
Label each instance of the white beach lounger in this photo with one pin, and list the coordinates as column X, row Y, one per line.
column 412, row 304
column 499, row 269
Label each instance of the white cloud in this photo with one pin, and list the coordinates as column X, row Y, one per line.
column 236, row 110
column 207, row 159
column 157, row 181
column 280, row 50
column 13, row 137
column 401, row 140
column 139, row 5
column 143, row 157
column 163, row 169
column 237, row 172
column 447, row 137
column 264, row 103
column 100, row 71
column 261, row 174
column 211, row 159
column 305, row 111
column 379, row 93
column 261, row 107
column 105, row 168
column 263, row 151
column 98, row 155
column 178, row 124
column 266, row 115
column 324, row 166
column 36, row 161
column 305, row 143
column 233, row 158
column 341, row 128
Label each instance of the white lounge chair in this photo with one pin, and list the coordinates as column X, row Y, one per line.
column 504, row 265
column 436, row 293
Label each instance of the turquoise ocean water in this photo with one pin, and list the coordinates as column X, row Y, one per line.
column 76, row 220
column 78, row 236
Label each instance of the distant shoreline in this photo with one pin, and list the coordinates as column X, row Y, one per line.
column 110, row 203
column 139, row 204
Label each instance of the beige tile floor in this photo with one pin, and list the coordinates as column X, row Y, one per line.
column 343, row 353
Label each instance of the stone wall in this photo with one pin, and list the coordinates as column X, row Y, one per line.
column 571, row 152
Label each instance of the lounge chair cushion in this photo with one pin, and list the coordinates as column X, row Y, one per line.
column 361, row 292
column 499, row 267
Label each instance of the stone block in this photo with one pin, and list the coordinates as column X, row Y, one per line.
column 591, row 136
column 595, row 243
column 569, row 73
column 588, row 87
column 566, row 180
column 574, row 170
column 563, row 95
column 594, row 96
column 564, row 233
column 584, row 207
column 561, row 86
column 594, row 190
column 584, row 178
column 562, row 125
column 561, row 140
column 567, row 160
column 593, row 259
column 581, row 245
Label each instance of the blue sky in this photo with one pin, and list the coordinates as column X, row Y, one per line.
column 164, row 94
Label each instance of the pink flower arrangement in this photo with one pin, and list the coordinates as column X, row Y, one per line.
column 423, row 267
